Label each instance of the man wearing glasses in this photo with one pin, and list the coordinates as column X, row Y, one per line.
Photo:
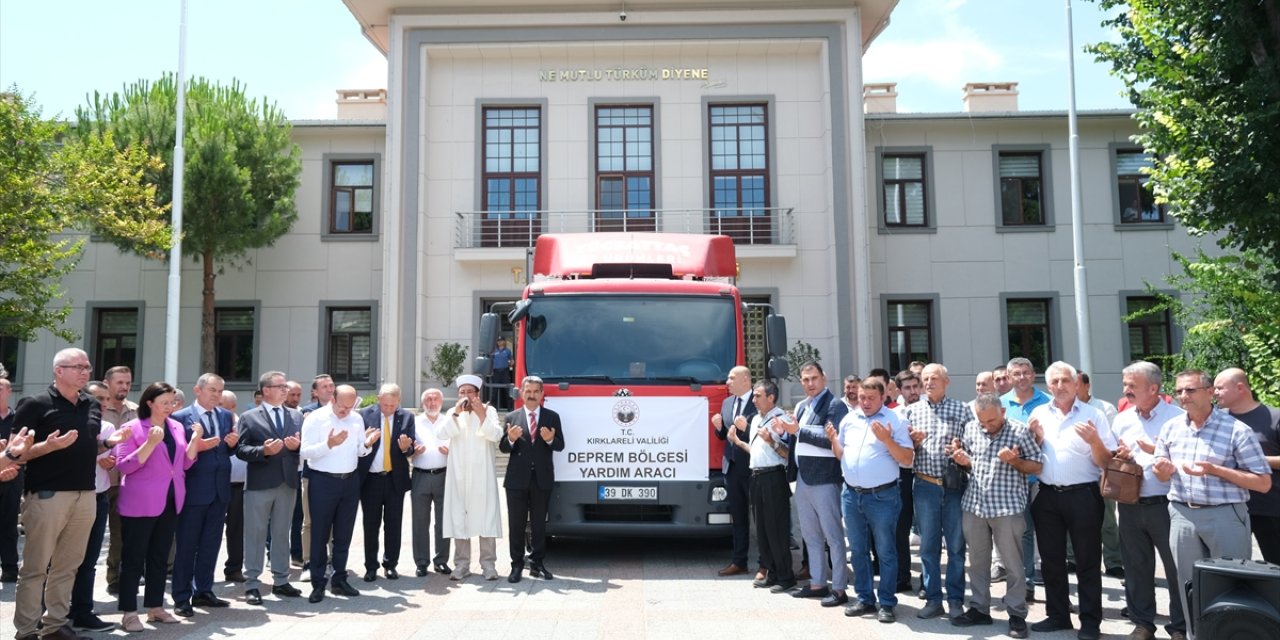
column 1211, row 462
column 60, row 499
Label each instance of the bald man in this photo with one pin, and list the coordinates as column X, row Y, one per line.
column 1231, row 388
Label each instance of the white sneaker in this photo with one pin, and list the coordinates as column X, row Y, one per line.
column 997, row 573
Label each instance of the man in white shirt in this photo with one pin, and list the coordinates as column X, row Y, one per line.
column 1077, row 443
column 333, row 440
column 426, row 491
column 1146, row 524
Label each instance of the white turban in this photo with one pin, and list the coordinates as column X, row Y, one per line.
column 471, row 379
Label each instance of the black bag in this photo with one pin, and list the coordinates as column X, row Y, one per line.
column 954, row 476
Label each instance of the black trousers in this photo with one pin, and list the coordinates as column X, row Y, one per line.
column 1266, row 530
column 527, row 507
column 771, row 499
column 902, row 535
column 380, row 502
column 1074, row 514
column 145, row 544
column 333, row 513
column 235, row 529
column 10, row 504
column 738, row 484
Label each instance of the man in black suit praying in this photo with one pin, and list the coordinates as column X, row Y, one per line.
column 532, row 434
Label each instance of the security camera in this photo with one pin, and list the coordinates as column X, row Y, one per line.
column 622, row 15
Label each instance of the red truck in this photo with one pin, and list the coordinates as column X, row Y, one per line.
column 634, row 335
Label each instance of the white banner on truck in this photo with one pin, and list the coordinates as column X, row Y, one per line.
column 632, row 438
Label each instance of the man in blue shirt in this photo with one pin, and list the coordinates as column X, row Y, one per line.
column 871, row 443
column 500, row 381
column 1018, row 403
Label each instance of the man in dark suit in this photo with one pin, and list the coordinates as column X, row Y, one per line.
column 199, row 536
column 269, row 441
column 533, row 433
column 736, row 465
column 384, row 479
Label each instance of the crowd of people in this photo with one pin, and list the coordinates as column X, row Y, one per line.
column 1013, row 471
column 283, row 482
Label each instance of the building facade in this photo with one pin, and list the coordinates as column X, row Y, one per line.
column 882, row 238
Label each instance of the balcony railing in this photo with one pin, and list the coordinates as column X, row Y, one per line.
column 747, row 226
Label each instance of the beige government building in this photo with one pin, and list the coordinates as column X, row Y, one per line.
column 883, row 237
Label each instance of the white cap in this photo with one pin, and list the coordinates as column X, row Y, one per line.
column 471, row 379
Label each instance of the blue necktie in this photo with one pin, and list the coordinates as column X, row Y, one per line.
column 279, row 424
column 210, row 428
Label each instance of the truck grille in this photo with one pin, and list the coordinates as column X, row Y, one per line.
column 628, row 513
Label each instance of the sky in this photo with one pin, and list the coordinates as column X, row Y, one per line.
column 297, row 53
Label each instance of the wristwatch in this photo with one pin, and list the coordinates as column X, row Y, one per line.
column 9, row 454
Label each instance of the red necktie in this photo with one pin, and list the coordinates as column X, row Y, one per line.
column 533, row 426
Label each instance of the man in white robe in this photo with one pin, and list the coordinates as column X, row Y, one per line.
column 471, row 507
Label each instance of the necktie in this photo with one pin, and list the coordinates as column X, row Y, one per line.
column 386, row 443
column 209, row 425
column 533, row 426
column 737, row 407
column 279, row 424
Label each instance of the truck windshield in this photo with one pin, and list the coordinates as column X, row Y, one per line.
column 640, row 338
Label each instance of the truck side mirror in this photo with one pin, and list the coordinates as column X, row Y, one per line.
column 775, row 336
column 483, row 364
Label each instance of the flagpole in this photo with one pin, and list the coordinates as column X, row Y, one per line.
column 174, row 301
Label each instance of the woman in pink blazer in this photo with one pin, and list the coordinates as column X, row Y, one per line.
column 152, row 460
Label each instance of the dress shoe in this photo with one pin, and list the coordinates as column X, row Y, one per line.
column 184, row 609
column 317, row 595
column 886, row 615
column 91, row 622
column 517, row 572
column 64, row 633
column 8, row 576
column 443, row 568
column 783, row 586
column 764, row 583
column 808, row 591
column 1088, row 634
column 761, row 574
column 113, row 589
column 421, row 571
column 251, row 596
column 161, row 616
column 836, row 599
column 234, row 576
column 731, row 570
column 971, row 618
column 1017, row 627
column 931, row 610
column 343, row 588
column 1141, row 633
column 1071, row 567
column 540, row 571
column 1116, row 572
column 859, row 609
column 1049, row 624
column 208, row 600
column 130, row 622
column 391, row 573
column 370, row 576
column 803, row 573
column 296, row 561
column 286, row 590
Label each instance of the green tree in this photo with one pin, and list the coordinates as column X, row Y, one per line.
column 241, row 170
column 48, row 192
column 1229, row 310
column 1205, row 78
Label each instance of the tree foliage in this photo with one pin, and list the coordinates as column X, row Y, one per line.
column 48, row 192
column 1229, row 310
column 240, row 177
column 1205, row 78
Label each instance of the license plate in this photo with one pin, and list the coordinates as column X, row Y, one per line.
column 628, row 493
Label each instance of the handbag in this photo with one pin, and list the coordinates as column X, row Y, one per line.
column 954, row 476
column 1122, row 481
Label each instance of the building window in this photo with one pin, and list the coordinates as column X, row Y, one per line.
column 904, row 190
column 1136, row 203
column 1029, row 330
column 349, row 341
column 511, row 176
column 624, row 168
column 739, row 162
column 351, row 197
column 1021, row 189
column 115, row 339
column 909, row 331
column 234, row 343
column 1150, row 329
